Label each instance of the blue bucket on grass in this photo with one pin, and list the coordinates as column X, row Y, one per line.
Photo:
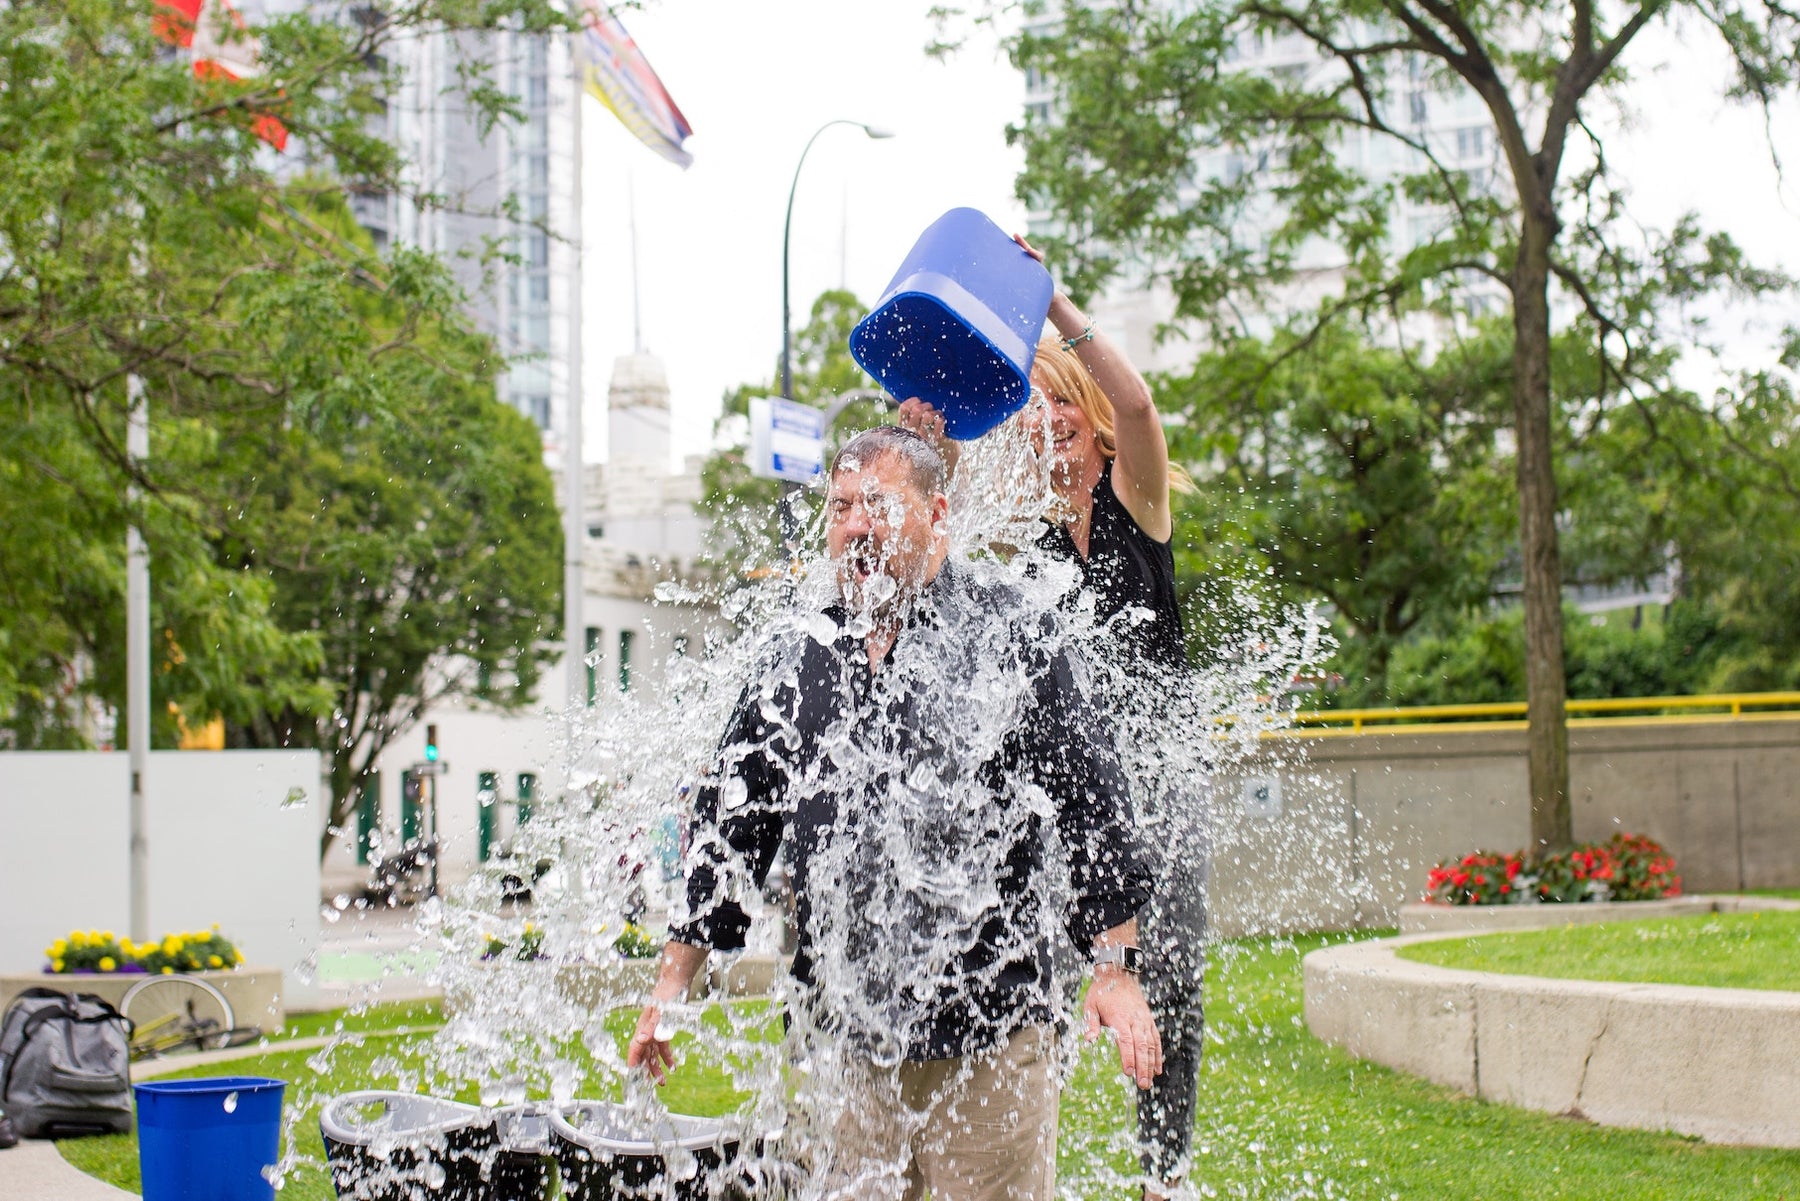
column 959, row 324
column 210, row 1139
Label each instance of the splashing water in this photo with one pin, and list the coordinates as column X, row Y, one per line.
column 919, row 884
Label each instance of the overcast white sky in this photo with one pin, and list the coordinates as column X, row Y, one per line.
column 756, row 79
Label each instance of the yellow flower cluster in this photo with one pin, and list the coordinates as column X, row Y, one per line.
column 103, row 951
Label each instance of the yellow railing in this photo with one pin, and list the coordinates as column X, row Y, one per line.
column 1640, row 710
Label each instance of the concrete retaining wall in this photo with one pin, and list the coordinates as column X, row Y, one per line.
column 1717, row 1063
column 1422, row 917
column 1361, row 818
column 254, row 993
column 233, row 839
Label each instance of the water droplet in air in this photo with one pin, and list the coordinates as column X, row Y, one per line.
column 231, row 1102
column 295, row 798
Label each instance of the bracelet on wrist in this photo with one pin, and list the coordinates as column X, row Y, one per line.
column 1086, row 335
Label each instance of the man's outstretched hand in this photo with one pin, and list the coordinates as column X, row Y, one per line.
column 655, row 1055
column 1116, row 1003
column 681, row 962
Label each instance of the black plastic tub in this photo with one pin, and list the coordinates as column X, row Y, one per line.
column 391, row 1146
column 522, row 1171
column 603, row 1152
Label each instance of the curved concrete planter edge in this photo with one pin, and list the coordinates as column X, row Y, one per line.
column 1716, row 1063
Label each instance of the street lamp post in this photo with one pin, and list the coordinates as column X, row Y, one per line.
column 789, row 530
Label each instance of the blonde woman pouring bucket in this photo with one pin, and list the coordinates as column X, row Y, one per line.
column 1095, row 416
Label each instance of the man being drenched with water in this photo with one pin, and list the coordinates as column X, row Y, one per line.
column 923, row 756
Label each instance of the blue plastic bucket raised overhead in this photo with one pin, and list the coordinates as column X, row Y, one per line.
column 959, row 324
column 208, row 1140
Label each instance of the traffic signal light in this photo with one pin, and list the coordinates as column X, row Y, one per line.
column 431, row 745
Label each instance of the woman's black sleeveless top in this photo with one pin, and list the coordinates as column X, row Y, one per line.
column 1127, row 569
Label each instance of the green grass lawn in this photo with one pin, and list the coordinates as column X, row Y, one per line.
column 1723, row 950
column 396, row 1015
column 1281, row 1116
column 391, row 1055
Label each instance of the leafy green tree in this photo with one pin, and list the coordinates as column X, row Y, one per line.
column 1671, row 650
column 424, row 554
column 1145, row 90
column 1718, row 491
column 143, row 235
column 1740, row 548
column 1353, row 474
column 149, row 251
column 745, row 528
column 217, row 647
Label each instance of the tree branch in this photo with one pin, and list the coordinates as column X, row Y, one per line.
column 1579, row 73
column 1351, row 57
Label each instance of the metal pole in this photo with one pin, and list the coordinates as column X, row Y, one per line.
column 436, row 845
column 137, row 662
column 575, row 519
column 790, row 521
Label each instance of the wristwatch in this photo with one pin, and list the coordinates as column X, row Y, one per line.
column 1129, row 958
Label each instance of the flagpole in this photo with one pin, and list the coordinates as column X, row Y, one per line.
column 575, row 520
column 137, row 662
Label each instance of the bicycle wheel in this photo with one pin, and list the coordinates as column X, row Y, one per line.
column 175, row 1012
column 239, row 1036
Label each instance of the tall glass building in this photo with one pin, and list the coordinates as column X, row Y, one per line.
column 497, row 203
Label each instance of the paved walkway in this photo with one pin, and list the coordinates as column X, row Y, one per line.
column 364, row 958
column 36, row 1171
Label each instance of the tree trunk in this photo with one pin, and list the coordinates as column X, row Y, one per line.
column 1545, row 686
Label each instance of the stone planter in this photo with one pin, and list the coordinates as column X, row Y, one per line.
column 1722, row 1064
column 1432, row 917
column 748, row 975
column 255, row 993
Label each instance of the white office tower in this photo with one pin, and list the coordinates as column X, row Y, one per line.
column 468, row 177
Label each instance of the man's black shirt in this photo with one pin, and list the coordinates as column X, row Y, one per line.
column 888, row 788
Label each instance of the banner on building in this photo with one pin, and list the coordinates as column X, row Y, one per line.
column 619, row 76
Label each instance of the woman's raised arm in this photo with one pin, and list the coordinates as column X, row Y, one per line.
column 1141, row 468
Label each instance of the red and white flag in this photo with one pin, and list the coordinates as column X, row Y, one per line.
column 618, row 75
column 223, row 48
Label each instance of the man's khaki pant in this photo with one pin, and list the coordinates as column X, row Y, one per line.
column 979, row 1128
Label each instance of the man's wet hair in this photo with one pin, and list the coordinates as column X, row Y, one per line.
column 925, row 466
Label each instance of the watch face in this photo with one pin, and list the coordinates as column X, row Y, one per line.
column 1133, row 961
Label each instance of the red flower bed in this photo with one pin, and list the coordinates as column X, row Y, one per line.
column 1627, row 867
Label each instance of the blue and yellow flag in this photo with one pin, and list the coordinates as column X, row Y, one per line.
column 619, row 76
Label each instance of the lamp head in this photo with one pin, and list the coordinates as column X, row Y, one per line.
column 878, row 131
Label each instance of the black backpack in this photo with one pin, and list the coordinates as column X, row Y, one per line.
column 65, row 1065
